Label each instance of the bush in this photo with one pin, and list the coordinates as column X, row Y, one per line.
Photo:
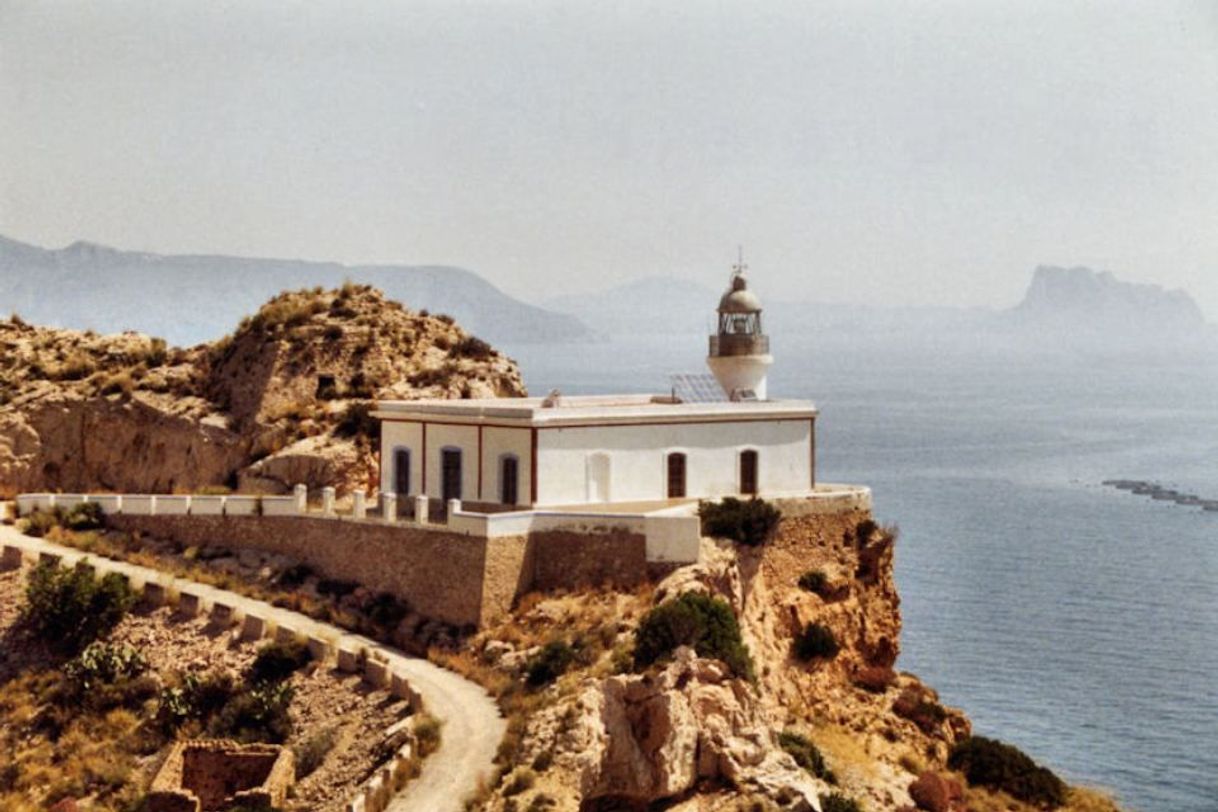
column 194, row 697
column 258, row 715
column 386, row 611
column 708, row 624
column 294, row 576
column 814, row 581
column 521, row 781
column 72, row 608
column 86, row 516
column 104, row 664
column 752, row 522
column 816, row 642
column 865, row 530
column 427, row 734
column 41, row 522
column 806, row 755
column 311, row 753
column 357, row 421
column 920, row 707
column 990, row 763
column 472, row 347
column 836, row 802
column 275, row 662
column 550, row 663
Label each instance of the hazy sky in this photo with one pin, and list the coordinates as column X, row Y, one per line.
column 893, row 152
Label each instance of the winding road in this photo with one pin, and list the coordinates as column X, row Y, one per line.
column 472, row 724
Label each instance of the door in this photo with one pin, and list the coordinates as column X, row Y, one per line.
column 598, row 478
column 748, row 472
column 676, row 476
column 509, row 481
column 401, row 472
column 450, row 474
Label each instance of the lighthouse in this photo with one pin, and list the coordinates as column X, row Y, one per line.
column 740, row 351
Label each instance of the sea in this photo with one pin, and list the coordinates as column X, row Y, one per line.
column 1074, row 620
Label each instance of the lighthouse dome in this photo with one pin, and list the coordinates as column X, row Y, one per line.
column 739, row 299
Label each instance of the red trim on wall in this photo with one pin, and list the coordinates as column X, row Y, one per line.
column 479, row 462
column 521, row 427
column 423, row 457
column 533, row 467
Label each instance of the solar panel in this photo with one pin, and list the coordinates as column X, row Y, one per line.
column 697, row 388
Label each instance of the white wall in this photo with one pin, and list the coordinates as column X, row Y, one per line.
column 396, row 434
column 638, row 470
column 496, row 442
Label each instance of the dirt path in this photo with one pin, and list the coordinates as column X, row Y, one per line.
column 472, row 725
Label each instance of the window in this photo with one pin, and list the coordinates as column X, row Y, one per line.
column 748, row 472
column 450, row 474
column 676, row 476
column 509, row 480
column 401, row 471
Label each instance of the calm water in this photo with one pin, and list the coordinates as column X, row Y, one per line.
column 1074, row 620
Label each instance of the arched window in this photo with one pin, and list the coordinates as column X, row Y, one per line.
column 509, row 480
column 676, row 476
column 748, row 472
column 450, row 474
column 401, row 471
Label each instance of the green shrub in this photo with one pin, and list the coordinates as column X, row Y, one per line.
column 865, row 530
column 275, row 662
column 357, row 421
column 427, row 734
column 194, row 697
column 806, row 755
column 72, row 608
column 707, row 624
column 836, row 802
column 990, row 763
column 386, row 610
column 816, row 642
column 472, row 347
column 103, row 677
column 920, row 707
column 294, row 576
column 41, row 522
column 550, row 663
column 815, row 581
column 85, row 516
column 750, row 522
column 521, row 781
column 104, row 664
column 312, row 752
column 260, row 714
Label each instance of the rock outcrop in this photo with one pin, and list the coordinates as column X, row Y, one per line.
column 692, row 736
column 284, row 399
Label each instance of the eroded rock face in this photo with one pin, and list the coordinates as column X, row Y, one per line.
column 639, row 738
column 266, row 408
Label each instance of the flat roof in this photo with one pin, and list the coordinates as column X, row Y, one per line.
column 597, row 409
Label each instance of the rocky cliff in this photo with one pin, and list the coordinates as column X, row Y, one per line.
column 284, row 399
column 690, row 735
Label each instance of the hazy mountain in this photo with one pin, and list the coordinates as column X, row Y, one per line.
column 1063, row 308
column 655, row 305
column 1082, row 301
column 187, row 299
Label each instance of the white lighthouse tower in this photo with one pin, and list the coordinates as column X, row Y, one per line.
column 739, row 351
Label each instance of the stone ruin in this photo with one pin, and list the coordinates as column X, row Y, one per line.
column 216, row 775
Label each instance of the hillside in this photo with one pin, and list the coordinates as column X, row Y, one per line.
column 284, row 399
column 88, row 286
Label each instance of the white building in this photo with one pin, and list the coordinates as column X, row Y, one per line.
column 504, row 453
